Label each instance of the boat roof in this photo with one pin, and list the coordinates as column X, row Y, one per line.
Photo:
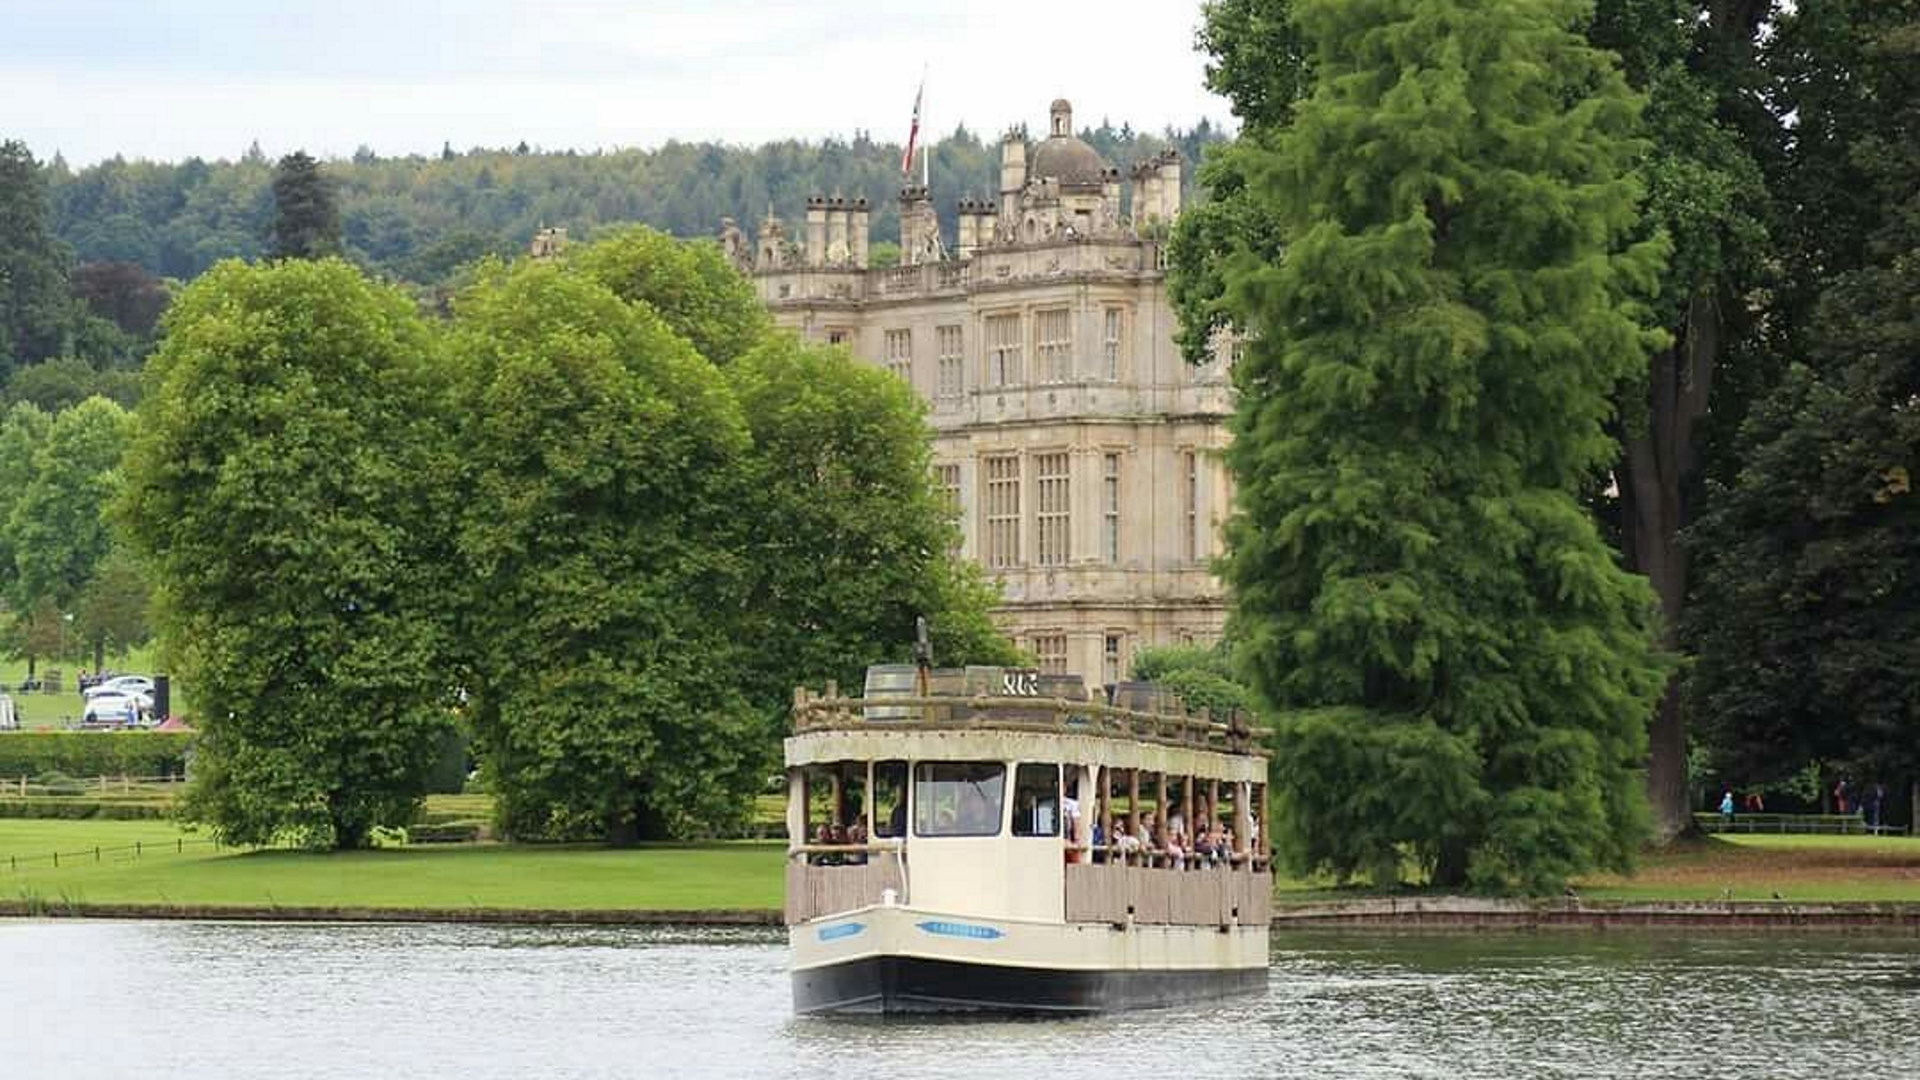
column 1014, row 715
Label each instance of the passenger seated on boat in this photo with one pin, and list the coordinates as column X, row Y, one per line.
column 1176, row 849
column 856, row 837
column 1126, row 842
column 828, row 834
column 1149, row 836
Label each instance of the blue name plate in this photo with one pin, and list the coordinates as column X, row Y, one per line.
column 965, row 930
column 843, row 930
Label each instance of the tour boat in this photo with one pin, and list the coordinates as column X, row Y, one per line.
column 994, row 839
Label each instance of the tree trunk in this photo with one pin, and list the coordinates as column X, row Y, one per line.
column 1660, row 469
column 30, row 662
column 1913, row 806
column 1450, row 868
column 99, row 655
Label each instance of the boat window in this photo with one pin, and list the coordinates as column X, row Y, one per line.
column 1036, row 799
column 890, row 798
column 958, row 798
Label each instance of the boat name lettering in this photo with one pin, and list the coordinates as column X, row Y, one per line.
column 965, row 930
column 843, row 930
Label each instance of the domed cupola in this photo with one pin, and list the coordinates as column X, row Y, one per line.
column 1065, row 159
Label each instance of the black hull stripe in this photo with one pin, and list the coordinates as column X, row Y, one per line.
column 885, row 985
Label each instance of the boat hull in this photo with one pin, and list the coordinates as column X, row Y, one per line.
column 898, row 985
column 896, row 960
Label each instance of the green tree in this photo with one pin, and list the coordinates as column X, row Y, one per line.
column 690, row 285
column 64, row 382
column 1808, row 622
column 846, row 535
column 1705, row 191
column 603, row 458
column 36, row 313
column 57, row 530
column 1203, row 675
column 111, row 613
column 306, row 212
column 1461, row 670
column 288, row 489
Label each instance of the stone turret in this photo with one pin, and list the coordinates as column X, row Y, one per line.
column 548, row 243
column 838, row 249
column 1013, row 173
column 816, row 230
column 771, row 253
column 857, row 229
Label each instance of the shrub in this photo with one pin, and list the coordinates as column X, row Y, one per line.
column 94, row 753
column 59, row 783
column 70, row 808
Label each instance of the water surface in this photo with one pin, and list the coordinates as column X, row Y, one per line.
column 210, row 1001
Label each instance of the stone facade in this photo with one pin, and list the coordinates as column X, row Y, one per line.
column 1081, row 451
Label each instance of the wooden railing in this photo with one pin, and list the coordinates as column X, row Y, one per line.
column 815, row 712
column 816, row 890
column 1206, row 896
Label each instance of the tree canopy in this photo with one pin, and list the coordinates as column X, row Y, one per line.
column 306, row 214
column 1459, row 667
column 1808, row 624
column 601, row 452
column 287, row 486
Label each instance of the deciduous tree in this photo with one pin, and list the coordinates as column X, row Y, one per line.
column 601, row 599
column 1808, row 626
column 689, row 285
column 287, row 485
column 846, row 537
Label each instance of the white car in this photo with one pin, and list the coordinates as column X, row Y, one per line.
column 123, row 709
column 121, row 684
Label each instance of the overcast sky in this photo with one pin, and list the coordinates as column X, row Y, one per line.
column 171, row 78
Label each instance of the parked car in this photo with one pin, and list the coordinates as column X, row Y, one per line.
column 121, row 684
column 124, row 710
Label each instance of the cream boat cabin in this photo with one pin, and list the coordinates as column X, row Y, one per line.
column 992, row 839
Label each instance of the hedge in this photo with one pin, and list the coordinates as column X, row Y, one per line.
column 94, row 753
column 71, row 808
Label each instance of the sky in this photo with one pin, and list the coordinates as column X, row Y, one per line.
column 167, row 79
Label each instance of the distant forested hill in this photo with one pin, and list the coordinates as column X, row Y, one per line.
column 417, row 218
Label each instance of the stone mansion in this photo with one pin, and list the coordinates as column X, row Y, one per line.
column 1079, row 448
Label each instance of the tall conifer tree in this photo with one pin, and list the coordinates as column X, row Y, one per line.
column 306, row 211
column 1460, row 668
column 36, row 312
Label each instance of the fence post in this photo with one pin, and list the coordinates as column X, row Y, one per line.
column 103, row 785
column 96, row 853
column 136, row 849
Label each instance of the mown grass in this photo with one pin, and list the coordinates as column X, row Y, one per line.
column 748, row 874
column 734, row 875
column 1766, row 867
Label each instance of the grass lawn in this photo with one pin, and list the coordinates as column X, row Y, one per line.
column 1757, row 866
column 748, row 874
column 735, row 875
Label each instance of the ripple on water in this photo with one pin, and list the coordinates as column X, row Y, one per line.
column 209, row 1001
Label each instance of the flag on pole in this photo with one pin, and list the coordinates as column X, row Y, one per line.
column 913, row 135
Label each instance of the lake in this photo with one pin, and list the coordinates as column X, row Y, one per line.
column 210, row 1001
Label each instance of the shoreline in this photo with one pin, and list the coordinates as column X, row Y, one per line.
column 1445, row 914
